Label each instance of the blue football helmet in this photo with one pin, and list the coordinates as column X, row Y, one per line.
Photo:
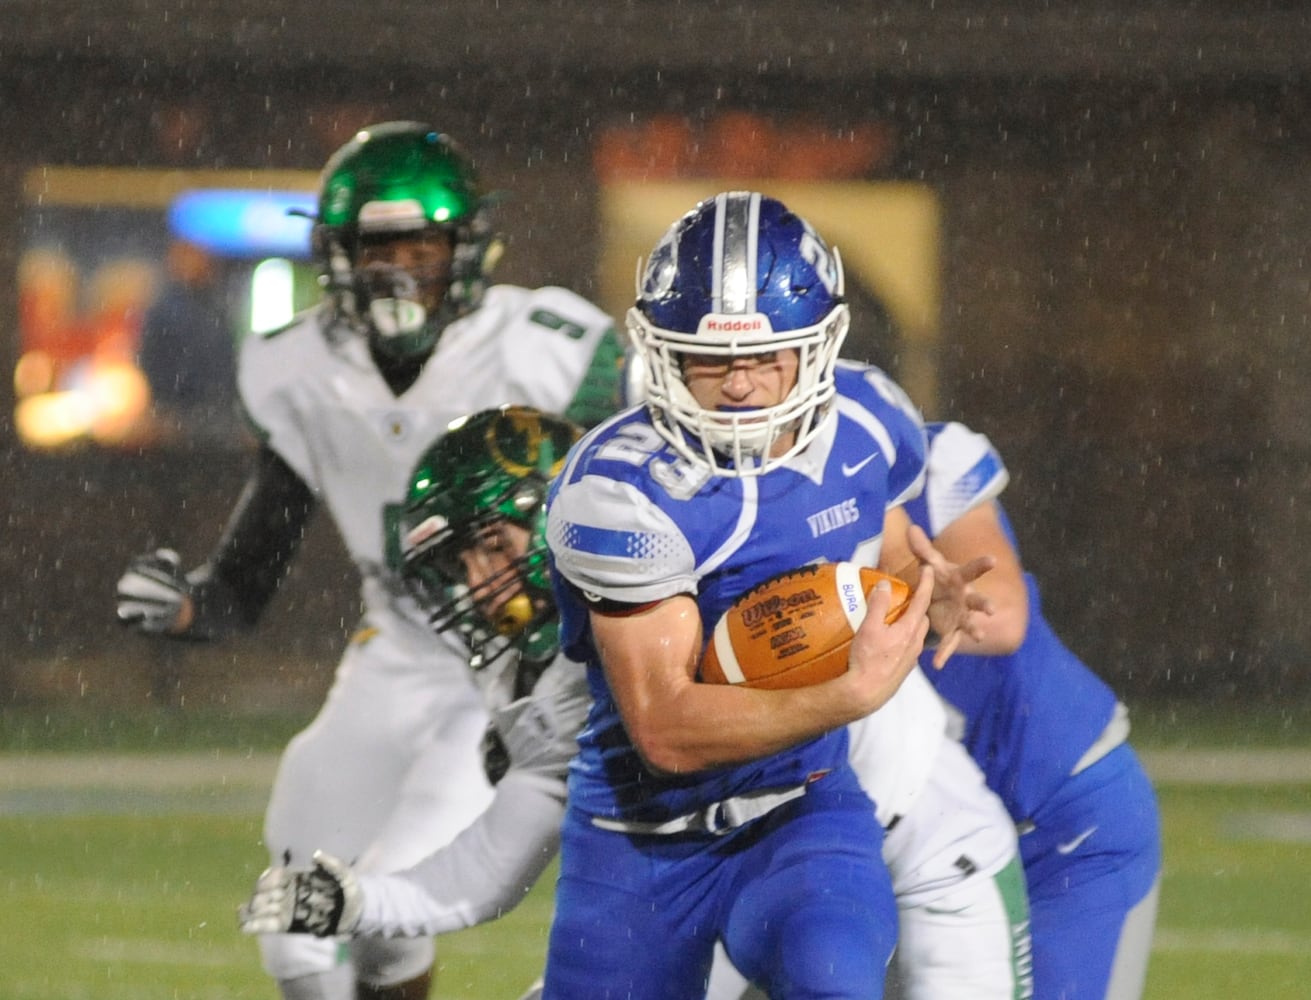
column 740, row 274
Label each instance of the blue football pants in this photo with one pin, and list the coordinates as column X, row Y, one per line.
column 1092, row 863
column 801, row 899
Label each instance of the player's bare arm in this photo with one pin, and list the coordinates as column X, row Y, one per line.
column 679, row 725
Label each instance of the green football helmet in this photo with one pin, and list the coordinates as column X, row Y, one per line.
column 403, row 179
column 491, row 467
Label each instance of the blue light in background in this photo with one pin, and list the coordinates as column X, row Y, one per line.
column 244, row 223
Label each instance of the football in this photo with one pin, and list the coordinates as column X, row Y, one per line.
column 795, row 629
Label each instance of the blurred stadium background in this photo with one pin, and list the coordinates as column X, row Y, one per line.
column 1119, row 287
column 1082, row 230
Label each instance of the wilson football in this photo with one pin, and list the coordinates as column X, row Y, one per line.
column 795, row 629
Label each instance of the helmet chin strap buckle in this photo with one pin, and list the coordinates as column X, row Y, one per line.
column 516, row 615
column 392, row 317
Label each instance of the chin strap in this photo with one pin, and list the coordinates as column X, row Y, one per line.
column 516, row 615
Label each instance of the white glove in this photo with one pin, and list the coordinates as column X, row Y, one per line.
column 324, row 900
column 152, row 591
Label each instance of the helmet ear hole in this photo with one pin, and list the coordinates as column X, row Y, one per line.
column 528, row 496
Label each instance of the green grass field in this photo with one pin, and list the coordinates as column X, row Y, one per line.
column 142, row 908
column 128, row 891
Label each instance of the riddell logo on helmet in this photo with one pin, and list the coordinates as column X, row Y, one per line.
column 754, row 323
column 391, row 214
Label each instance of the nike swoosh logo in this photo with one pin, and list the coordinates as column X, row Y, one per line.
column 851, row 470
column 1071, row 846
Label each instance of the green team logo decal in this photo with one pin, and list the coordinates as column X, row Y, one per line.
column 517, row 444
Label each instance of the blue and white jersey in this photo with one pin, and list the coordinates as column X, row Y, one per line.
column 631, row 521
column 1030, row 716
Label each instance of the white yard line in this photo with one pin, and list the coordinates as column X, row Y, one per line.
column 160, row 772
column 1237, row 942
column 154, row 951
column 1228, row 767
column 155, row 772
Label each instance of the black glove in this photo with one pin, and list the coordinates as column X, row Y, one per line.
column 496, row 758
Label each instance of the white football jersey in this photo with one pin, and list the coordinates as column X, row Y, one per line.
column 893, row 751
column 313, row 391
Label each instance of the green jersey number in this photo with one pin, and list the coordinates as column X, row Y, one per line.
column 548, row 319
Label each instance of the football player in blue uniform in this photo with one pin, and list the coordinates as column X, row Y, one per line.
column 1050, row 736
column 471, row 540
column 699, row 812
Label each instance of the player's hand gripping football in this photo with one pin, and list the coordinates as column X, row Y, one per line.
column 152, row 593
column 882, row 653
column 957, row 606
column 324, row 900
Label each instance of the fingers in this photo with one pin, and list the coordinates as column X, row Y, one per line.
column 959, row 608
column 922, row 596
column 269, row 909
column 152, row 591
column 878, row 602
column 332, row 865
column 169, row 557
column 889, row 652
column 922, row 548
column 328, row 866
column 926, row 552
column 918, row 611
column 975, row 568
column 945, row 649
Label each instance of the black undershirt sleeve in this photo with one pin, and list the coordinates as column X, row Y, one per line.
column 231, row 589
column 609, row 607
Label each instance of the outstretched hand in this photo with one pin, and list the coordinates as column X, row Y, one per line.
column 324, row 900
column 956, row 607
